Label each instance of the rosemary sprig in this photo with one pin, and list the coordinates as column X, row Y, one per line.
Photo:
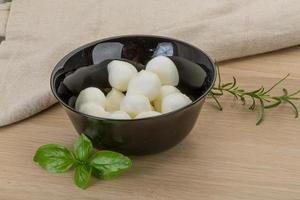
column 260, row 96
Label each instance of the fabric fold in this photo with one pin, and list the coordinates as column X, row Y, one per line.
column 4, row 13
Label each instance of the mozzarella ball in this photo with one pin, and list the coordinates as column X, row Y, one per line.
column 147, row 114
column 145, row 83
column 165, row 90
column 120, row 73
column 135, row 104
column 92, row 109
column 165, row 68
column 113, row 100
column 174, row 102
column 118, row 115
column 90, row 94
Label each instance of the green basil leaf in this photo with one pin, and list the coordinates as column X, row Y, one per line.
column 96, row 173
column 83, row 148
column 109, row 164
column 54, row 158
column 82, row 176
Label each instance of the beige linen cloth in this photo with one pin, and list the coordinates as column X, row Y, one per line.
column 40, row 32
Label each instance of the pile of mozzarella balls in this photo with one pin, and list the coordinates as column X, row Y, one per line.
column 134, row 94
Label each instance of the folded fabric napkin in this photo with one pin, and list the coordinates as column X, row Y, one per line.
column 40, row 32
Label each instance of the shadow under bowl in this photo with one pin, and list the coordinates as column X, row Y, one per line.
column 87, row 67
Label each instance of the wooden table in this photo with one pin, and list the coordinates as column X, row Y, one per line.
column 225, row 157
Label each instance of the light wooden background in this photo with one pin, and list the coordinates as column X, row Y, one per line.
column 225, row 157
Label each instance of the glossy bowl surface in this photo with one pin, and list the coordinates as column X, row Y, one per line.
column 86, row 67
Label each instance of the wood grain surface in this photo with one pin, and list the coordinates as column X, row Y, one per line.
column 225, row 157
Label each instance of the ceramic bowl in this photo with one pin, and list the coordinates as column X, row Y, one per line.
column 86, row 67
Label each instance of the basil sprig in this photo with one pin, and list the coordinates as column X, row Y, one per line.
column 56, row 158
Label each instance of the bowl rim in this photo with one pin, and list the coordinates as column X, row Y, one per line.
column 61, row 63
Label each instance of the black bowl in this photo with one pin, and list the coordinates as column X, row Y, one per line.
column 86, row 67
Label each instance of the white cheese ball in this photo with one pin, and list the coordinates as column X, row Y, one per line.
column 147, row 114
column 135, row 104
column 90, row 94
column 113, row 100
column 118, row 115
column 145, row 83
column 120, row 73
column 165, row 90
column 92, row 109
column 174, row 102
column 165, row 68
